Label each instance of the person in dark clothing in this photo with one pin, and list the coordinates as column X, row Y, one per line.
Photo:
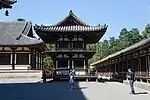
column 131, row 78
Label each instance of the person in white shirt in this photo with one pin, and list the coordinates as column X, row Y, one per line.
column 71, row 79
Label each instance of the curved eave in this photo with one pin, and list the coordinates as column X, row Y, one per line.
column 11, row 1
column 99, row 35
column 52, row 29
column 94, row 32
column 7, row 4
column 39, row 46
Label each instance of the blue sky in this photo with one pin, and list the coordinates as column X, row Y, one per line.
column 117, row 14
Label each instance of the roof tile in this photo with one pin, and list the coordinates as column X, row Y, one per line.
column 15, row 33
column 71, row 28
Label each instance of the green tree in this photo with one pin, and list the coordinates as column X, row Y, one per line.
column 135, row 36
column 146, row 32
column 48, row 62
column 123, row 38
column 113, row 45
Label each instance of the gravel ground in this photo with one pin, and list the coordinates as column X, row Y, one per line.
column 33, row 89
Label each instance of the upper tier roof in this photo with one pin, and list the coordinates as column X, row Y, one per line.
column 18, row 33
column 70, row 28
column 71, row 25
column 71, row 18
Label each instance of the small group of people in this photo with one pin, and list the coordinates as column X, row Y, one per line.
column 130, row 76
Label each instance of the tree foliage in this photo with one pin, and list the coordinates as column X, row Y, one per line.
column 48, row 62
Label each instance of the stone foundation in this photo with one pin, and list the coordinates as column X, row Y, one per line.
column 20, row 73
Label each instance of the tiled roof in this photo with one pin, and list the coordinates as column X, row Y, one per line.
column 70, row 28
column 72, row 15
column 16, row 33
column 7, row 3
column 132, row 47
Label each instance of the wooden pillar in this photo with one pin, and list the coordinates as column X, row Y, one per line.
column 36, row 57
column 115, row 68
column 148, row 67
column 13, row 59
column 139, row 64
column 84, row 65
column 146, row 64
column 68, row 63
column 109, row 68
column 72, row 64
column 38, row 60
column 30, row 63
column 127, row 64
column 132, row 64
column 30, row 58
column 121, row 66
column 42, row 61
column 56, row 63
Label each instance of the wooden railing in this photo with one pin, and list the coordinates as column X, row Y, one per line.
column 144, row 74
column 47, row 73
column 72, row 49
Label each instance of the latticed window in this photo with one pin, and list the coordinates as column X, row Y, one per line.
column 79, row 63
column 5, row 59
column 63, row 45
column 22, row 59
column 62, row 63
column 78, row 45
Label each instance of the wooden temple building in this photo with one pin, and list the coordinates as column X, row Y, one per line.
column 70, row 37
column 136, row 56
column 20, row 48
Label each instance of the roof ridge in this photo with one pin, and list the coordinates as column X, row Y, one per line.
column 74, row 16
column 70, row 26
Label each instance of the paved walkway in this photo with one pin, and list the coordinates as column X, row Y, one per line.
column 21, row 89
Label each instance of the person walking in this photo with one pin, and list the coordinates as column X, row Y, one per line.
column 131, row 78
column 71, row 79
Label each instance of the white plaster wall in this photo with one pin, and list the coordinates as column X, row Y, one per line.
column 80, row 72
column 1, row 48
column 19, row 48
column 22, row 66
column 5, row 66
column 7, row 48
column 21, row 74
column 25, row 48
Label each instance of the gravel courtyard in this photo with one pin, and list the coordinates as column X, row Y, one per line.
column 33, row 89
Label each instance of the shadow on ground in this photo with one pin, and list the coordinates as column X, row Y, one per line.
column 40, row 91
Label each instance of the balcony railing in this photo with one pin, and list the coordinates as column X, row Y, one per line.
column 71, row 49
